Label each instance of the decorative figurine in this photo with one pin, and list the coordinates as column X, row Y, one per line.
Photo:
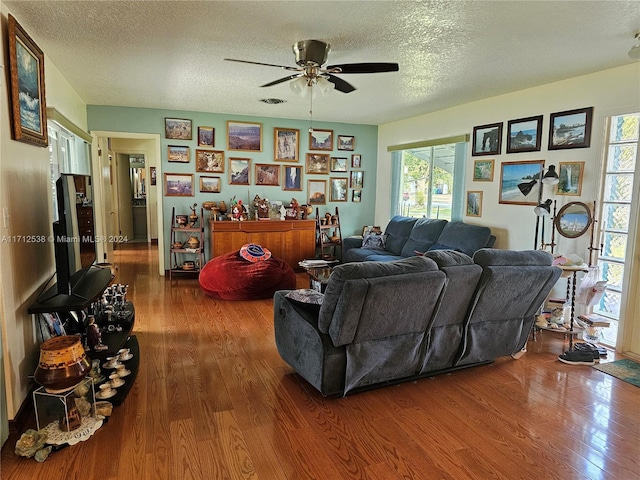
column 263, row 209
column 94, row 337
column 238, row 211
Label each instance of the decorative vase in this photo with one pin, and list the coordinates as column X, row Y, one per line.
column 193, row 242
column 222, row 207
column 63, row 364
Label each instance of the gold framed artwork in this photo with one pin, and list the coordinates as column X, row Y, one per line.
column 317, row 191
column 292, row 178
column 286, row 143
column 474, row 204
column 239, row 171
column 338, row 164
column 28, row 102
column 178, row 184
column 320, row 139
column 338, row 188
column 210, row 161
column 317, row 163
column 178, row 154
column 570, row 178
column 206, row 137
column 177, row 128
column 267, row 174
column 209, row 184
column 483, row 170
column 346, row 142
column 244, row 136
column 520, row 182
column 356, row 179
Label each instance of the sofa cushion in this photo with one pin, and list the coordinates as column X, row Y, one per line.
column 383, row 257
column 488, row 256
column 449, row 258
column 464, row 237
column 440, row 246
column 425, row 232
column 362, row 254
column 397, row 233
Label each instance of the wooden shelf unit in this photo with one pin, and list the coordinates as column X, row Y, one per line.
column 323, row 237
column 178, row 256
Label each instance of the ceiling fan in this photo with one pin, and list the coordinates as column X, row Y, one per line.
column 311, row 55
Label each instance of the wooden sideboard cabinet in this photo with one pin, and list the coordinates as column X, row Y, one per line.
column 289, row 240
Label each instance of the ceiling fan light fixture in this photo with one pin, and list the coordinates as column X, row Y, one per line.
column 324, row 85
column 299, row 86
column 634, row 52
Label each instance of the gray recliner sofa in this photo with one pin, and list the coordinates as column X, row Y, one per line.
column 404, row 236
column 385, row 322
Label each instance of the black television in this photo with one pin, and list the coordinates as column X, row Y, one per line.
column 74, row 243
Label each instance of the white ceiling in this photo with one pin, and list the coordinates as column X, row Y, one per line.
column 169, row 55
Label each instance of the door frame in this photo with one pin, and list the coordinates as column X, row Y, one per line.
column 99, row 170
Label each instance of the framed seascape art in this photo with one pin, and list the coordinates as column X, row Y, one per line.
column 338, row 164
column 356, row 160
column 28, row 102
column 177, row 129
column 356, row 179
column 209, row 184
column 210, row 161
column 524, row 134
column 317, row 191
column 474, row 204
column 244, row 136
column 286, row 143
column 320, row 139
column 483, row 170
column 239, row 171
column 346, row 142
column 178, row 154
column 267, row 174
column 292, row 178
column 487, row 139
column 206, row 137
column 338, row 189
column 178, row 184
column 570, row 129
column 520, row 182
column 570, row 178
column 317, row 163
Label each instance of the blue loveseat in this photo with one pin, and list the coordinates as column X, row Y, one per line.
column 404, row 236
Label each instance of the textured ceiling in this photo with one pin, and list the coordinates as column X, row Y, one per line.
column 170, row 54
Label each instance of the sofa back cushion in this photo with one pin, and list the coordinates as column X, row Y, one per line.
column 425, row 232
column 463, row 237
column 397, row 233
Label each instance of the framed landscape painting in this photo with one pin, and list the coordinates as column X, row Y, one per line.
column 244, row 136
column 210, row 161
column 346, row 142
column 317, row 191
column 483, row 170
column 267, row 174
column 177, row 128
column 178, row 153
column 178, row 184
column 487, row 139
column 26, row 72
column 524, row 134
column 356, row 179
column 338, row 189
column 286, row 144
column 570, row 129
column 320, row 139
column 292, row 178
column 317, row 163
column 209, row 184
column 474, row 204
column 239, row 171
column 206, row 136
column 520, row 182
column 338, row 164
column 570, row 178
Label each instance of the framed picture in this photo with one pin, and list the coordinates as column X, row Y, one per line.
column 474, row 204
column 239, row 171
column 487, row 139
column 346, row 142
column 206, row 137
column 292, row 178
column 209, row 184
column 317, row 163
column 267, row 174
column 317, row 191
column 356, row 196
column 570, row 178
column 28, row 102
column 570, row 129
column 321, row 139
column 356, row 179
column 286, row 143
column 483, row 170
column 244, row 136
column 356, row 160
column 524, row 134
column 338, row 164
column 519, row 182
column 178, row 154
column 178, row 184
column 210, row 161
column 154, row 175
column 338, row 189
column 177, row 128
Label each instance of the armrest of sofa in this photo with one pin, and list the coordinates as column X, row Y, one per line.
column 351, row 242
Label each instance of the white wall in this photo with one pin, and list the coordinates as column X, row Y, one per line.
column 25, row 192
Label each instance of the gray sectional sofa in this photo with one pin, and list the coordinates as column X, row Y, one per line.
column 385, row 322
column 404, row 236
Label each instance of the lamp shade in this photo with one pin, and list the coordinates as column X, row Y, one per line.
column 634, row 52
column 299, row 86
column 551, row 177
column 543, row 209
column 63, row 364
column 526, row 188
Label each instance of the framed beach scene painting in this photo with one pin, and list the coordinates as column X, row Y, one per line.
column 520, row 182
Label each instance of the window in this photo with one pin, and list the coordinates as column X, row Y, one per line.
column 428, row 180
column 616, row 205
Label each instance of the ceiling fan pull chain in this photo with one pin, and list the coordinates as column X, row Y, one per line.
column 311, row 109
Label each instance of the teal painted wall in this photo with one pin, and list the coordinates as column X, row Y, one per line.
column 141, row 120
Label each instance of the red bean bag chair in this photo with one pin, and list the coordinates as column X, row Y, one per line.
column 246, row 274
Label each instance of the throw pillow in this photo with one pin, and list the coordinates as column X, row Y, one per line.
column 306, row 298
column 373, row 241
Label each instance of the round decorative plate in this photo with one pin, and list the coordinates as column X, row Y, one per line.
column 103, row 396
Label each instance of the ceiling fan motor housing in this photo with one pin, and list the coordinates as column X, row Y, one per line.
column 311, row 52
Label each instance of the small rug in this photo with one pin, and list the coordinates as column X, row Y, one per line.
column 625, row 369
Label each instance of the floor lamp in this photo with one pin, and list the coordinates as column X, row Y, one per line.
column 543, row 209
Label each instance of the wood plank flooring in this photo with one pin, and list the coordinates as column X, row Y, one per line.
column 213, row 400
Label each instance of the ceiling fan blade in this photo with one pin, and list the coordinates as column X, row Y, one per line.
column 295, row 69
column 341, row 85
column 365, row 67
column 280, row 80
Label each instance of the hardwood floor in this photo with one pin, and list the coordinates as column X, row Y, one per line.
column 213, row 400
